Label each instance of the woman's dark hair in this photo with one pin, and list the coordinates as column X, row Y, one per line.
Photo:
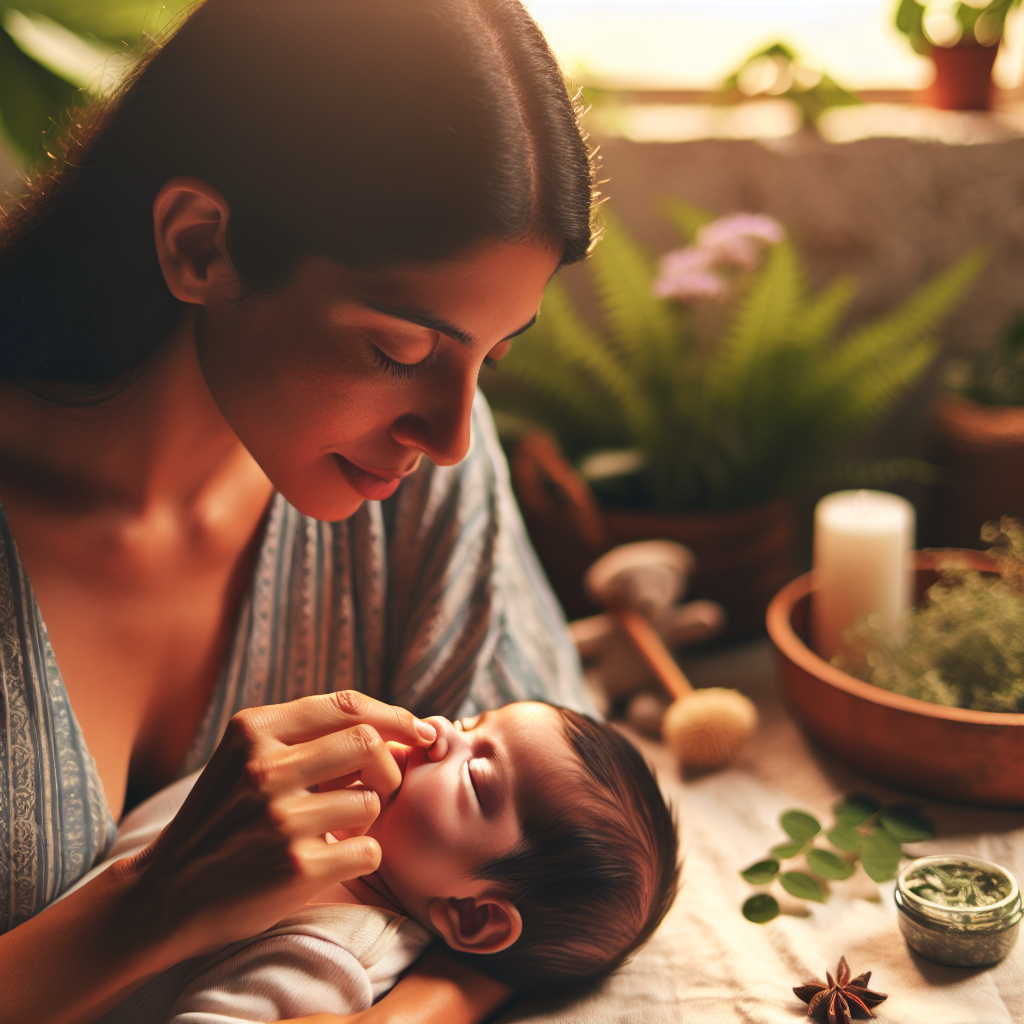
column 372, row 132
column 595, row 872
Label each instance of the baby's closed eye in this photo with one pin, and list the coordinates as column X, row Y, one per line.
column 477, row 768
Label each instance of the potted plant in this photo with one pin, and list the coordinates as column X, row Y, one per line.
column 777, row 70
column 718, row 390
column 979, row 439
column 962, row 40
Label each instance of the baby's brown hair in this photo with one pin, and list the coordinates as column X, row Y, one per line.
column 596, row 870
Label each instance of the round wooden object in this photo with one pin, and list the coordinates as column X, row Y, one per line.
column 973, row 757
column 706, row 728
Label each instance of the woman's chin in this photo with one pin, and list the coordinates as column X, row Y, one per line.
column 328, row 504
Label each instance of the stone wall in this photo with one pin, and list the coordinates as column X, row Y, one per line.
column 890, row 211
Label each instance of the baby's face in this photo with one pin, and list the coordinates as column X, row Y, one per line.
column 456, row 806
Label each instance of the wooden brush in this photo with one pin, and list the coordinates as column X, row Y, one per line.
column 704, row 728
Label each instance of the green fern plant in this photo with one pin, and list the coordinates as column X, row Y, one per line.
column 731, row 423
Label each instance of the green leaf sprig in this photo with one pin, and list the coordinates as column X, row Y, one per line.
column 863, row 830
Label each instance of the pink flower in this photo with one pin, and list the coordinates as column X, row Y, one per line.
column 688, row 274
column 690, row 286
column 735, row 240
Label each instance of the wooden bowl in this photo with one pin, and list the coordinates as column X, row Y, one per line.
column 974, row 757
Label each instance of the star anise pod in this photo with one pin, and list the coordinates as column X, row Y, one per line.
column 842, row 999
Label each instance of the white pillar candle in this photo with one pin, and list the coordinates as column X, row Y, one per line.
column 862, row 563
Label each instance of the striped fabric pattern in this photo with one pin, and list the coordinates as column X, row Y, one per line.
column 54, row 819
column 432, row 599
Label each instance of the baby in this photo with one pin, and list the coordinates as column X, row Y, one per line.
column 532, row 840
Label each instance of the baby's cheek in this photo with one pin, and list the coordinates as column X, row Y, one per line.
column 426, row 830
column 421, row 840
column 413, row 819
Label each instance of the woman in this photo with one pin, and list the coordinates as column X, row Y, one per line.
column 256, row 293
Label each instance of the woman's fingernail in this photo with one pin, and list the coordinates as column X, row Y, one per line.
column 426, row 731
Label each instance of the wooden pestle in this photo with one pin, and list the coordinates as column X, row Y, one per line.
column 652, row 649
column 705, row 728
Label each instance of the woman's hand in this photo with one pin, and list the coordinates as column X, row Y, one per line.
column 245, row 850
column 248, row 845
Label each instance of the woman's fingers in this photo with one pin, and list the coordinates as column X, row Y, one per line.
column 345, row 812
column 357, row 752
column 334, row 862
column 248, row 846
column 302, row 720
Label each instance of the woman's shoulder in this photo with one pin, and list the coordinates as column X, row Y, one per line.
column 56, row 823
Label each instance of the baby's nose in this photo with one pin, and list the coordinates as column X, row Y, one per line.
column 447, row 735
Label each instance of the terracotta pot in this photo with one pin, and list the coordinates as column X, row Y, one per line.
column 562, row 517
column 970, row 756
column 981, row 451
column 743, row 555
column 963, row 77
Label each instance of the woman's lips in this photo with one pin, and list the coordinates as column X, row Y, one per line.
column 368, row 485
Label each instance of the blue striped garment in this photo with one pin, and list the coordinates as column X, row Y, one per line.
column 432, row 599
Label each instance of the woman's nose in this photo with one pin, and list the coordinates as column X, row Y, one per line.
column 441, row 430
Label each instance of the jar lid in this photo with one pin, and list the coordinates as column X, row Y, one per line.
column 959, row 889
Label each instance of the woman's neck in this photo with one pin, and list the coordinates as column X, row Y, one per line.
column 161, row 441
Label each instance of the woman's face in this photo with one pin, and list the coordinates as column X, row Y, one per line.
column 341, row 381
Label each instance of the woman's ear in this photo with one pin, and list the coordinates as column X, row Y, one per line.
column 487, row 923
column 190, row 224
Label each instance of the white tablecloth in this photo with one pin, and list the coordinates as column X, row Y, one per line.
column 708, row 964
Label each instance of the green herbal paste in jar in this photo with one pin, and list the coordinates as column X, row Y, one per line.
column 958, row 910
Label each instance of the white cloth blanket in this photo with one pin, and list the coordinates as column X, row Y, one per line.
column 708, row 965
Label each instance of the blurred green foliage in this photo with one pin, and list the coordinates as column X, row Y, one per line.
column 727, row 419
column 996, row 378
column 55, row 54
column 965, row 647
column 778, row 71
column 970, row 22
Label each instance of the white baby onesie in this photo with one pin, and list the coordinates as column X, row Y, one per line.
column 326, row 958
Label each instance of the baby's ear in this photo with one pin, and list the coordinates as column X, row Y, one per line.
column 487, row 923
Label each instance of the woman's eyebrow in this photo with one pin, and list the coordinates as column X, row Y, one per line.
column 423, row 319
column 433, row 323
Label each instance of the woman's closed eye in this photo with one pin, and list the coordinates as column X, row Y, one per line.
column 392, row 366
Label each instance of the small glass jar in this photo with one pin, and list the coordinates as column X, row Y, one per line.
column 958, row 910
